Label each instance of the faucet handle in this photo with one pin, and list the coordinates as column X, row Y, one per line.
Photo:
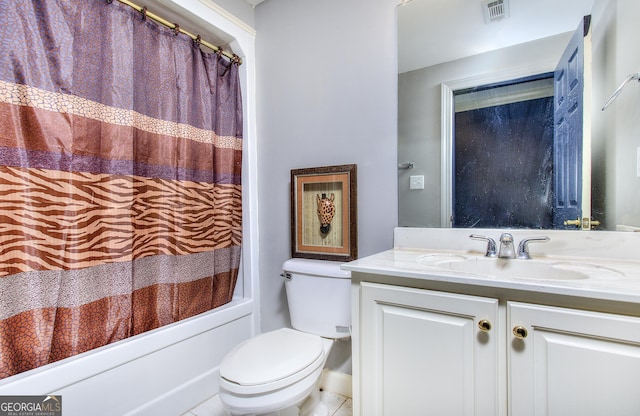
column 491, row 244
column 523, row 247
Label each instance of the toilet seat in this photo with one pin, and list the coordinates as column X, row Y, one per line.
column 271, row 361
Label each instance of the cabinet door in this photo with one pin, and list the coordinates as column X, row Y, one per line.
column 572, row 362
column 423, row 353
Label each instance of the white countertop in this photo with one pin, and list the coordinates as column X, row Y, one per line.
column 614, row 265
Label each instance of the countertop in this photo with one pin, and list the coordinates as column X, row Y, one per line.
column 610, row 278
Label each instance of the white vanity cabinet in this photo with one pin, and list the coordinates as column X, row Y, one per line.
column 424, row 352
column 430, row 352
column 564, row 336
column 572, row 362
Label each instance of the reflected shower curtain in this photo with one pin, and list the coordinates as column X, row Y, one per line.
column 120, row 195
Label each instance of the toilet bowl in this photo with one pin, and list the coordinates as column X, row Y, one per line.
column 280, row 370
column 272, row 371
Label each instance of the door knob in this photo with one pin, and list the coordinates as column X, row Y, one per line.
column 584, row 223
column 576, row 222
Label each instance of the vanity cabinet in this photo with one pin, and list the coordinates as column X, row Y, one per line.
column 429, row 352
column 424, row 352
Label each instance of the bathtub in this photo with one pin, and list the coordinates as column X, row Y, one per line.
column 166, row 371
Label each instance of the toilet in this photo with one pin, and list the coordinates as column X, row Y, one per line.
column 278, row 372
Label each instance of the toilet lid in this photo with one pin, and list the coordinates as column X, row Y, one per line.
column 270, row 357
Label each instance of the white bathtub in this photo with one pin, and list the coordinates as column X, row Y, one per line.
column 166, row 371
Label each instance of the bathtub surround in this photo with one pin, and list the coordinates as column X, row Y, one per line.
column 120, row 175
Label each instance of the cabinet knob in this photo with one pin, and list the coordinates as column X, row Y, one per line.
column 520, row 332
column 484, row 325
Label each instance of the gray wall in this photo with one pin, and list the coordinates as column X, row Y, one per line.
column 615, row 130
column 627, row 116
column 327, row 95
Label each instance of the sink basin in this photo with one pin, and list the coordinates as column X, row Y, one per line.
column 515, row 268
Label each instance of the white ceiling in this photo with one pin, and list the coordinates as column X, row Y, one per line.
column 436, row 31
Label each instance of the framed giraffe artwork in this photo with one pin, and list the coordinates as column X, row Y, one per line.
column 324, row 223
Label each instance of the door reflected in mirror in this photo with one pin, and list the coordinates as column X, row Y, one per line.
column 503, row 155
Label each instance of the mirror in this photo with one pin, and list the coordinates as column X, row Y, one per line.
column 449, row 43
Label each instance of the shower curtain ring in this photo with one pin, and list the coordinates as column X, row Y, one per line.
column 219, row 51
column 197, row 40
column 176, row 29
column 144, row 13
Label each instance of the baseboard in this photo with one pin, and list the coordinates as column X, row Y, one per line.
column 335, row 382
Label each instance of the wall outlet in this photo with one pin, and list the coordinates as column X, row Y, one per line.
column 416, row 182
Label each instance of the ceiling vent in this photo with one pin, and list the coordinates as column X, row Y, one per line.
column 495, row 10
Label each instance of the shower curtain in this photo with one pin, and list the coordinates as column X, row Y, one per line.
column 120, row 194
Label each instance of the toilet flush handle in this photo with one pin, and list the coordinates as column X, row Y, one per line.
column 287, row 276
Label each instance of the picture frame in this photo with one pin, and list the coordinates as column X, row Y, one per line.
column 324, row 223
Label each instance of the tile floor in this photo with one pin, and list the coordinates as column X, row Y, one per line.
column 337, row 404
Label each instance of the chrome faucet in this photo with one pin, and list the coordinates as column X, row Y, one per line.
column 506, row 247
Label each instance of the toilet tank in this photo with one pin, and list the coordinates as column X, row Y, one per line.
column 319, row 297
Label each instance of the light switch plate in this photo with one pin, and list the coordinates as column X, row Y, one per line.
column 416, row 182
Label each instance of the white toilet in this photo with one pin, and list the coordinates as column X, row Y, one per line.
column 278, row 371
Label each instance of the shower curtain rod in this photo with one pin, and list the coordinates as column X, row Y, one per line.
column 232, row 56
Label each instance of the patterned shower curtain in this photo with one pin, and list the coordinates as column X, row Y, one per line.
column 120, row 195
